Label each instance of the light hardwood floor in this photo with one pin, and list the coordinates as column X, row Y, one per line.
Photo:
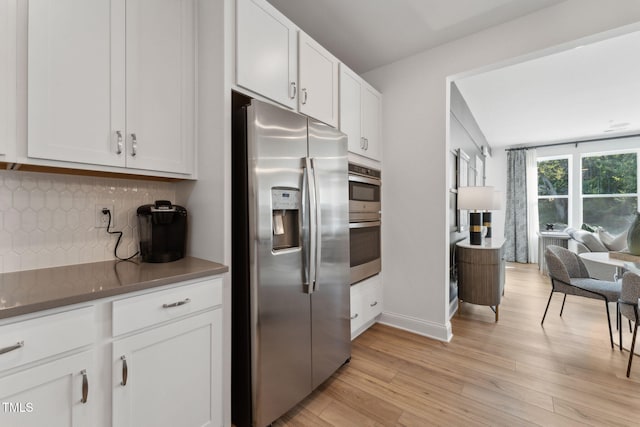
column 510, row 373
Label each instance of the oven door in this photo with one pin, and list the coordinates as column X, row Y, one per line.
column 364, row 196
column 364, row 245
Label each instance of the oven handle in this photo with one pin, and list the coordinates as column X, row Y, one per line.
column 364, row 224
column 365, row 180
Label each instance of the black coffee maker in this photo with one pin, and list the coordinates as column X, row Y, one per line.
column 162, row 229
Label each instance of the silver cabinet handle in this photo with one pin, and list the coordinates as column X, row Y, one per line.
column 134, row 145
column 362, row 142
column 85, row 386
column 373, row 304
column 119, row 139
column 293, row 90
column 304, row 98
column 354, row 316
column 177, row 304
column 366, row 143
column 125, row 371
column 16, row 346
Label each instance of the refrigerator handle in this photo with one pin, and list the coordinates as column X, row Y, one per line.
column 318, row 223
column 305, row 229
column 311, row 191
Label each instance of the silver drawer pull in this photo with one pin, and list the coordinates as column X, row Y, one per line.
column 125, row 371
column 374, row 304
column 354, row 316
column 119, row 136
column 12, row 347
column 85, row 386
column 177, row 304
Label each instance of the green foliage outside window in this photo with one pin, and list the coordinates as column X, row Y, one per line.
column 553, row 177
column 611, row 174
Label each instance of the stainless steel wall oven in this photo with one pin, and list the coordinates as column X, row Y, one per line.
column 364, row 222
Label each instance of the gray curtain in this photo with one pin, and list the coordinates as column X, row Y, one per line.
column 517, row 245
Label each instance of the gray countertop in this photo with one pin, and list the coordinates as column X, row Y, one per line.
column 24, row 292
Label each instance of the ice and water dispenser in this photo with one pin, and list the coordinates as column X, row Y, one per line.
column 286, row 206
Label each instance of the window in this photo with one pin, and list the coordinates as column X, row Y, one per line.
column 610, row 190
column 553, row 193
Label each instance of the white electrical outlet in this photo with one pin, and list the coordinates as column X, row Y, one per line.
column 102, row 219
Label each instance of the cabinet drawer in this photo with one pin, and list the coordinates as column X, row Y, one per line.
column 130, row 314
column 46, row 336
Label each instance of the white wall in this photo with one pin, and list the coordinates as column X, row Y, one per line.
column 415, row 120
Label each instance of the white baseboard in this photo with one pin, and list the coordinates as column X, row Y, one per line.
column 453, row 307
column 436, row 331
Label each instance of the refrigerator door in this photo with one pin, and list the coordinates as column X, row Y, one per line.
column 330, row 300
column 280, row 307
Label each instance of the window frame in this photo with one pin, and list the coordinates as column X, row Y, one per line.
column 569, row 159
column 582, row 196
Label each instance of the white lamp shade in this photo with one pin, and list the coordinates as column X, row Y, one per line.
column 498, row 200
column 476, row 198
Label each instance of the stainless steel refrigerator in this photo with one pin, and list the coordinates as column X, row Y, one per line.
column 290, row 259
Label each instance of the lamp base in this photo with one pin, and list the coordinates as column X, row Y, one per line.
column 475, row 228
column 486, row 221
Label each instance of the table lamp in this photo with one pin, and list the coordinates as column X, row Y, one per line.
column 475, row 199
column 496, row 205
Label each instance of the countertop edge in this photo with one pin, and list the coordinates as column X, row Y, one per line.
column 9, row 312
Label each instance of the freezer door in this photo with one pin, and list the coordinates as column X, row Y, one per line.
column 280, row 307
column 330, row 300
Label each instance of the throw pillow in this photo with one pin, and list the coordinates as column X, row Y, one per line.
column 613, row 243
column 590, row 240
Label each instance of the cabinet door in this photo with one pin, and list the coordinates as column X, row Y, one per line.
column 371, row 115
column 71, row 78
column 266, row 52
column 173, row 375
column 7, row 74
column 50, row 394
column 357, row 316
column 372, row 301
column 160, row 78
column 318, row 78
column 350, row 109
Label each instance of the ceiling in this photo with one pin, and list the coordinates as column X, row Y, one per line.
column 583, row 93
column 592, row 91
column 366, row 34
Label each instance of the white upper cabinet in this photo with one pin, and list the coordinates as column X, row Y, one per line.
column 371, row 117
column 70, row 82
column 7, row 75
column 360, row 114
column 160, row 70
column 112, row 83
column 276, row 60
column 318, row 78
column 351, row 109
column 266, row 52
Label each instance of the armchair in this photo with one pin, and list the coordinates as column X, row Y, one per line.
column 569, row 276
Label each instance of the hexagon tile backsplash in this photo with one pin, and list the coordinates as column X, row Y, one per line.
column 48, row 220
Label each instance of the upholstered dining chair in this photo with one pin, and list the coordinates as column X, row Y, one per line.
column 628, row 307
column 569, row 276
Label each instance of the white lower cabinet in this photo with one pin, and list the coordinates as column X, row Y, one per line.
column 170, row 375
column 47, row 374
column 357, row 316
column 160, row 360
column 53, row 394
column 366, row 304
